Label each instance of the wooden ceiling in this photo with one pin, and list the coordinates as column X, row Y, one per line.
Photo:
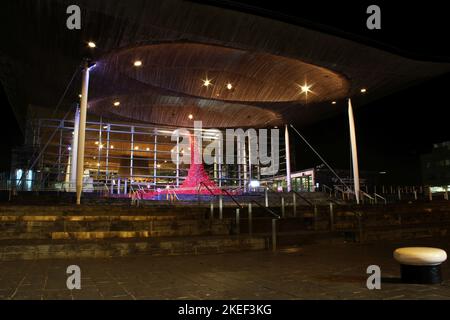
column 180, row 43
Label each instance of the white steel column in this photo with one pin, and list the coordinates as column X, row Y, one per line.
column 82, row 130
column 220, row 156
column 155, row 151
column 249, row 158
column 132, row 153
column 239, row 160
column 177, row 174
column 108, row 129
column 351, row 122
column 74, row 152
column 288, row 158
column 244, row 158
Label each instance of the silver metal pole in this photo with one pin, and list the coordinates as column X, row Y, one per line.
column 238, row 228
column 250, row 219
column 294, row 203
column 220, row 207
column 331, row 216
column 274, row 234
column 282, row 207
column 266, row 197
column 211, row 209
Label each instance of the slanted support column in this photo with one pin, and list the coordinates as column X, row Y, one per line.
column 288, row 158
column 82, row 130
column 74, row 152
column 351, row 122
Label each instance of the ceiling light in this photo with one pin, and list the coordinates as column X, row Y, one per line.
column 79, row 96
column 105, row 127
column 158, row 166
column 229, row 86
column 96, row 142
column 136, row 148
column 91, row 44
column 190, row 117
column 305, row 88
column 111, row 147
column 363, row 90
column 116, row 103
column 137, row 63
column 207, row 82
column 147, row 149
column 333, row 102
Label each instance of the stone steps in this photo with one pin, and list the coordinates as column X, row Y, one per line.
column 100, row 227
column 68, row 249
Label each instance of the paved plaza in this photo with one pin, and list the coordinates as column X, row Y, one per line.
column 317, row 271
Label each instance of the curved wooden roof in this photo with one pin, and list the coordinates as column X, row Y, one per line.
column 181, row 43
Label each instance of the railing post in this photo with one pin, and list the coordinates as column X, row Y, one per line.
column 266, row 197
column 315, row 217
column 250, row 221
column 238, row 229
column 274, row 235
column 399, row 195
column 430, row 195
column 211, row 208
column 415, row 195
column 294, row 203
column 360, row 228
column 331, row 217
column 446, row 194
column 220, row 207
column 282, row 207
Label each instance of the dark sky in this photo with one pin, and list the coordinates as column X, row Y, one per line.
column 391, row 132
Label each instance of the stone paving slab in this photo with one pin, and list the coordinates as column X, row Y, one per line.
column 318, row 271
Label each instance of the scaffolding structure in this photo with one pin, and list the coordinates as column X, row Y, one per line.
column 121, row 157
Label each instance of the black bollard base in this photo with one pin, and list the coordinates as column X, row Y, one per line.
column 421, row 274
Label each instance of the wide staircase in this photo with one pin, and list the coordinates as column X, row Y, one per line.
column 50, row 226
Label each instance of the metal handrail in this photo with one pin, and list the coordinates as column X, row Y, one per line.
column 266, row 209
column 381, row 197
column 366, row 195
column 232, row 198
column 303, row 198
column 324, row 186
column 226, row 192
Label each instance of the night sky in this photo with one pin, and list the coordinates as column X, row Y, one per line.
column 392, row 132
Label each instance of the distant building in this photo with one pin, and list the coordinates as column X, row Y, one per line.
column 436, row 166
column 321, row 178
